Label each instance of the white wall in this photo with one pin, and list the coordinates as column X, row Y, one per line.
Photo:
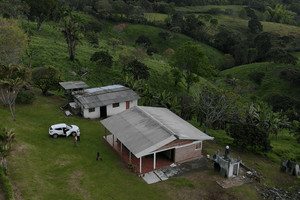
column 110, row 110
column 91, row 115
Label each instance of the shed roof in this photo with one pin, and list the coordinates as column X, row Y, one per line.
column 73, row 85
column 96, row 97
column 145, row 129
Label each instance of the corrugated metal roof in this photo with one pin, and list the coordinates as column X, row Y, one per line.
column 73, row 85
column 96, row 97
column 145, row 129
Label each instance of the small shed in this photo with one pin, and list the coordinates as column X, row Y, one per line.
column 154, row 132
column 105, row 101
column 74, row 86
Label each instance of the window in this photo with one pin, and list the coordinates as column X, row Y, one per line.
column 91, row 109
column 198, row 146
column 116, row 105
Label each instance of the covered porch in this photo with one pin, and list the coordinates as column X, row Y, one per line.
column 144, row 164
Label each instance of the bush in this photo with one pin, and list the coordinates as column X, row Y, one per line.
column 25, row 97
column 143, row 41
column 103, row 58
column 151, row 51
column 6, row 185
column 256, row 77
column 92, row 38
column 280, row 102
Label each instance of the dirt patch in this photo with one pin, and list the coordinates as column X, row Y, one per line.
column 74, row 183
column 2, row 196
column 17, row 193
column 62, row 162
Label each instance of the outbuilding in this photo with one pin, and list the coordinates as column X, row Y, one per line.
column 153, row 135
column 105, row 101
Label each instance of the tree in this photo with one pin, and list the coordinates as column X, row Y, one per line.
column 46, row 78
column 143, row 41
column 71, row 24
column 278, row 55
column 262, row 116
column 137, row 69
column 255, row 26
column 40, row 10
column 13, row 8
column 192, row 61
column 213, row 106
column 247, row 134
column 177, row 75
column 13, row 41
column 296, row 130
column 7, row 136
column 102, row 58
column 12, row 79
column 125, row 57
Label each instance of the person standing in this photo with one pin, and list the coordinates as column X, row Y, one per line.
column 98, row 156
column 75, row 141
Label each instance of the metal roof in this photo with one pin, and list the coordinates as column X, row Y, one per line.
column 73, row 85
column 96, row 97
column 145, row 129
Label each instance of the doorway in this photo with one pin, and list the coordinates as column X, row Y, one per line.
column 103, row 111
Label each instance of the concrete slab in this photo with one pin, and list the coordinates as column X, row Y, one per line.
column 161, row 175
column 151, row 177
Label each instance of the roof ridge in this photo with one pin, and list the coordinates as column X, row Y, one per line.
column 152, row 117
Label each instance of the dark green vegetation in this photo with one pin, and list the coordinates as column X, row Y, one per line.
column 164, row 52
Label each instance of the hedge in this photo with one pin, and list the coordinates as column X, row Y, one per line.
column 6, row 185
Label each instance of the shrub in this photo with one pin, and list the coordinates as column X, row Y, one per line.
column 151, row 51
column 256, row 77
column 25, row 97
column 92, row 38
column 6, row 185
column 280, row 102
column 103, row 58
column 143, row 41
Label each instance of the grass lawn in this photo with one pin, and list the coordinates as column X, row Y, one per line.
column 45, row 168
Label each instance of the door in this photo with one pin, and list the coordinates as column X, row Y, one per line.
column 103, row 111
column 127, row 105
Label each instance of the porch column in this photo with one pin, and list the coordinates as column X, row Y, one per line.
column 140, row 165
column 129, row 156
column 113, row 141
column 121, row 147
column 154, row 160
column 105, row 132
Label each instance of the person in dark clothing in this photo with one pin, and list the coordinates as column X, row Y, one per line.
column 98, row 156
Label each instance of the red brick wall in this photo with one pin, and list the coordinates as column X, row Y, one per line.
column 187, row 153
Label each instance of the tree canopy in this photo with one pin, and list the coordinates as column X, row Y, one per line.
column 192, row 61
column 13, row 41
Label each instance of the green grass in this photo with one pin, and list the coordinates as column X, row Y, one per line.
column 203, row 9
column 46, row 168
column 181, row 182
column 155, row 17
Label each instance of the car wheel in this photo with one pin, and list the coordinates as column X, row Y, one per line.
column 55, row 136
column 74, row 134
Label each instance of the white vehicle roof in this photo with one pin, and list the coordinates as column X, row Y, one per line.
column 61, row 125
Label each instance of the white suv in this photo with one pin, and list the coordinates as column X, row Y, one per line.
column 64, row 129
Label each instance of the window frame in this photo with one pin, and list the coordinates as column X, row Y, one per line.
column 116, row 105
column 92, row 110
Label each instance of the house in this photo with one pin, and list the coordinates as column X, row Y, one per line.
column 105, row 101
column 74, row 86
column 153, row 135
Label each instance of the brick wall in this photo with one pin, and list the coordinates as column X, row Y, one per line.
column 187, row 153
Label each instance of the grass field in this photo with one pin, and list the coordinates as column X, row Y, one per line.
column 41, row 167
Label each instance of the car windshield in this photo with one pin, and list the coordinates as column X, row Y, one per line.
column 69, row 126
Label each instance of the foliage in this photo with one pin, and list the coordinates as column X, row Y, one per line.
column 255, row 26
column 177, row 75
column 213, row 107
column 280, row 14
column 137, row 69
column 12, row 79
column 92, row 38
column 168, row 53
column 13, row 8
column 296, row 130
column 278, row 55
column 292, row 75
column 256, row 77
column 70, row 27
column 13, row 41
column 125, row 57
column 143, row 41
column 191, row 60
column 261, row 115
column 46, row 78
column 40, row 10
column 247, row 134
column 6, row 184
column 102, row 58
column 151, row 51
column 280, row 102
column 25, row 96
